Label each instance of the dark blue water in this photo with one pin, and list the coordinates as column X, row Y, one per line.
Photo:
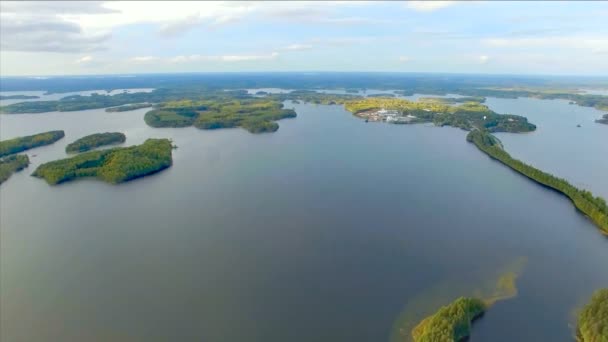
column 326, row 230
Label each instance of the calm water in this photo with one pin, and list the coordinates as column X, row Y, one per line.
column 330, row 229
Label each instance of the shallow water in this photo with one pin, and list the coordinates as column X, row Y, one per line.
column 326, row 230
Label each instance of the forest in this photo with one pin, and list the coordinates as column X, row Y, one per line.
column 20, row 144
column 128, row 107
column 255, row 115
column 450, row 323
column 115, row 165
column 92, row 141
column 12, row 164
column 592, row 325
column 594, row 207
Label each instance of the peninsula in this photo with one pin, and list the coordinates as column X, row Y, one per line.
column 450, row 323
column 12, row 164
column 594, row 207
column 593, row 319
column 115, row 165
column 92, row 141
column 18, row 97
column 21, row 144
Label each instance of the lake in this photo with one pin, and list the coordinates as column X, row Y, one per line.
column 330, row 229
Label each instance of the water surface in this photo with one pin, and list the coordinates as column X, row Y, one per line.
column 326, row 230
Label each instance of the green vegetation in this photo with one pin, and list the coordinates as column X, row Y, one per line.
column 603, row 120
column 467, row 116
column 451, row 323
column 593, row 319
column 18, row 97
column 594, row 207
column 92, row 141
column 116, row 165
column 12, row 164
column 255, row 115
column 311, row 96
column 20, row 144
column 452, row 100
column 128, row 107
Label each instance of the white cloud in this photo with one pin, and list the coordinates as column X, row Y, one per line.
column 429, row 6
column 297, row 47
column 224, row 58
column 572, row 42
column 404, row 59
column 84, row 59
column 483, row 59
column 144, row 59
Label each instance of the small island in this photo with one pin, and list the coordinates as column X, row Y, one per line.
column 12, row 164
column 603, row 120
column 128, row 107
column 254, row 115
column 92, row 141
column 115, row 165
column 451, row 323
column 21, row 144
column 18, row 97
column 592, row 323
column 594, row 207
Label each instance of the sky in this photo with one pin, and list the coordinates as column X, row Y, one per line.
column 494, row 37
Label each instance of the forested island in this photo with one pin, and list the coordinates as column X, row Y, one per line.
column 12, row 164
column 467, row 116
column 20, row 144
column 18, row 97
column 128, row 107
column 594, row 207
column 92, row 141
column 592, row 325
column 115, row 165
column 603, row 120
column 254, row 115
column 451, row 323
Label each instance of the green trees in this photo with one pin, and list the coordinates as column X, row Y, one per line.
column 594, row 207
column 92, row 141
column 20, row 144
column 114, row 165
column 593, row 319
column 254, row 115
column 128, row 107
column 451, row 323
column 12, row 164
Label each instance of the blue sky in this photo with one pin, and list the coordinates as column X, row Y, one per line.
column 66, row 38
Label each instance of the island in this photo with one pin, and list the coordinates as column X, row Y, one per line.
column 12, row 164
column 603, row 120
column 92, row 141
column 21, row 144
column 18, row 97
column 128, row 107
column 451, row 323
column 592, row 325
column 254, row 115
column 115, row 165
column 593, row 207
column 467, row 116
